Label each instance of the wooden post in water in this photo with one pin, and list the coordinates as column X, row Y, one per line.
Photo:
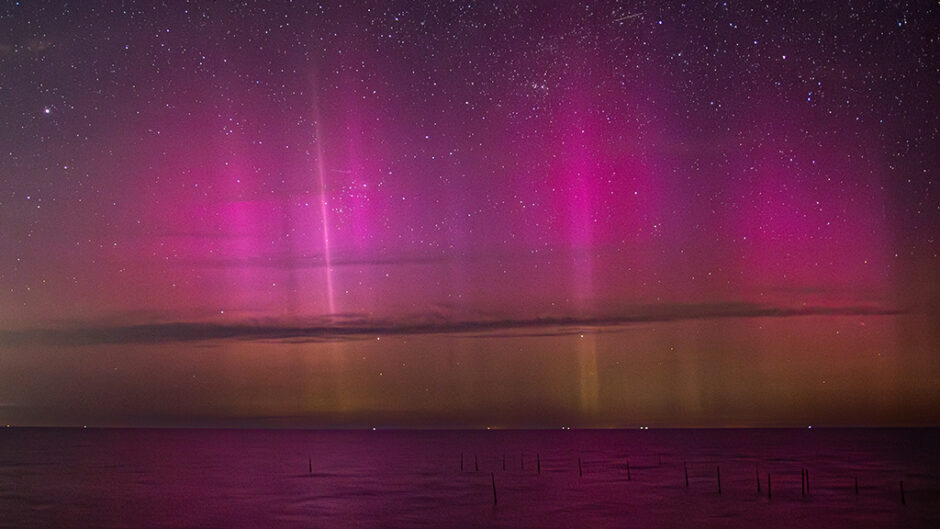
column 580, row 472
column 757, row 476
column 901, row 483
column 309, row 465
column 493, row 481
column 538, row 463
column 803, row 482
column 628, row 470
column 476, row 464
column 685, row 467
column 768, row 485
column 718, row 471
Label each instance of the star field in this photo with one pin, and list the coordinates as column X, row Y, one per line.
column 242, row 162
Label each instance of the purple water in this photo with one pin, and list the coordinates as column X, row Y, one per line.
column 260, row 478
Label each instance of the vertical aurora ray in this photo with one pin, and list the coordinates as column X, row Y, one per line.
column 580, row 177
column 465, row 170
column 324, row 208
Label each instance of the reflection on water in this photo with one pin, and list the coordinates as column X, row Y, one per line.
column 53, row 478
column 843, row 370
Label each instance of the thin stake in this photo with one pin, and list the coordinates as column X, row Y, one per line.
column 309, row 465
column 768, row 485
column 757, row 476
column 686, row 468
column 718, row 470
column 901, row 483
column 580, row 472
column 476, row 464
column 493, row 481
column 628, row 470
column 538, row 462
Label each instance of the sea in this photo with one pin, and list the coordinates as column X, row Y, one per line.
column 242, row 478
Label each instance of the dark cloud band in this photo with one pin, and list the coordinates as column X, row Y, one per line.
column 351, row 327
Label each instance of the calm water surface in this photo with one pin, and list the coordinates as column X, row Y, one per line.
column 287, row 478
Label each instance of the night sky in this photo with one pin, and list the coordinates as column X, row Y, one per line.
column 465, row 215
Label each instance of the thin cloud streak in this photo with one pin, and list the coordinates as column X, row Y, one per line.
column 350, row 327
column 288, row 261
